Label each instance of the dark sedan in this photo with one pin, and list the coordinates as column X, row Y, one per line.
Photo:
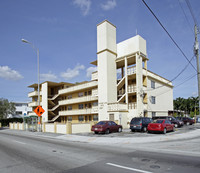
column 106, row 127
column 187, row 120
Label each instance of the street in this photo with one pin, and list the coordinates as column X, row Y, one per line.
column 28, row 152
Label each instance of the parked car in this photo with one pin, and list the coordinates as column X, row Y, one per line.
column 187, row 120
column 140, row 124
column 161, row 125
column 106, row 127
column 176, row 122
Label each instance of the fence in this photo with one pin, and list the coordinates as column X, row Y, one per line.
column 67, row 128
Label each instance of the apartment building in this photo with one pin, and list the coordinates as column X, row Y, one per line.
column 120, row 89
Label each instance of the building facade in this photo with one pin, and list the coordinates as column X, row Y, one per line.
column 120, row 89
column 22, row 110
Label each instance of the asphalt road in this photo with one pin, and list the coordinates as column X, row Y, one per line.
column 24, row 152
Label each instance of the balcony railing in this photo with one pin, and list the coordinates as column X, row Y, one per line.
column 80, row 111
column 32, row 104
column 132, row 106
column 33, row 93
column 131, row 70
column 117, row 107
column 78, row 87
column 132, row 88
column 77, row 100
column 95, row 75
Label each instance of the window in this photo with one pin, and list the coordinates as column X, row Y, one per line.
column 89, row 105
column 69, row 96
column 69, row 118
column 153, row 114
column 80, row 106
column 80, row 94
column 19, row 112
column 90, row 118
column 95, row 117
column 86, row 93
column 69, row 107
column 89, row 92
column 81, row 118
column 95, row 104
column 153, row 99
column 152, row 84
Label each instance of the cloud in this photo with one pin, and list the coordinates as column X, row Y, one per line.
column 71, row 73
column 84, row 5
column 48, row 77
column 90, row 70
column 110, row 4
column 9, row 74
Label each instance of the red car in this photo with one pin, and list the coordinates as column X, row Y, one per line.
column 106, row 127
column 161, row 125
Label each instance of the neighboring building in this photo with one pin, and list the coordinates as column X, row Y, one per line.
column 22, row 110
column 122, row 87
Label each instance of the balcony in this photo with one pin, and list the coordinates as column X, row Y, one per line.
column 78, row 100
column 32, row 104
column 132, row 88
column 78, row 87
column 95, row 92
column 131, row 70
column 95, row 75
column 117, row 107
column 34, row 93
column 132, row 106
column 32, row 114
column 92, row 110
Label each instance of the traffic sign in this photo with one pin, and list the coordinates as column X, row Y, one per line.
column 39, row 111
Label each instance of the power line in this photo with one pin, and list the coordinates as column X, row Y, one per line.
column 175, row 76
column 187, row 79
column 168, row 33
column 189, row 25
column 191, row 11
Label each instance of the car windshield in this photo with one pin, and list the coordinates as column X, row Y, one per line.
column 158, row 121
column 101, row 123
column 136, row 121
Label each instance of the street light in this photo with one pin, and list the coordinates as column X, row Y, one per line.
column 38, row 62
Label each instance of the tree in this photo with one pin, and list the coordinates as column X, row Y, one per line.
column 6, row 108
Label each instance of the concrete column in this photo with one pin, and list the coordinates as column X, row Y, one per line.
column 91, row 124
column 126, row 79
column 55, row 127
column 139, row 85
column 107, row 78
column 44, row 127
column 69, row 128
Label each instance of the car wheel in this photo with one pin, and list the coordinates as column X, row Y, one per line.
column 144, row 129
column 164, row 131
column 176, row 125
column 187, row 123
column 132, row 130
column 120, row 130
column 96, row 132
column 107, row 131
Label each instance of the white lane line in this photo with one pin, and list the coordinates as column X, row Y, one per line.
column 20, row 142
column 124, row 167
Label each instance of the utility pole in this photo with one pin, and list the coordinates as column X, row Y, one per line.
column 196, row 52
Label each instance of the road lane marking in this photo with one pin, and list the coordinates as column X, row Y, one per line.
column 128, row 168
column 20, row 142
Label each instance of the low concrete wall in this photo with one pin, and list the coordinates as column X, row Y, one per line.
column 67, row 128
column 81, row 128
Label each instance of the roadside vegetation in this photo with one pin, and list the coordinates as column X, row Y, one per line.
column 189, row 106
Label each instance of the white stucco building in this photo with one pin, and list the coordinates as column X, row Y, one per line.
column 120, row 89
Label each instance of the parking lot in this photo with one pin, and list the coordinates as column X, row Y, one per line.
column 128, row 133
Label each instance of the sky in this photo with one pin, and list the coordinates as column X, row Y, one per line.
column 64, row 32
